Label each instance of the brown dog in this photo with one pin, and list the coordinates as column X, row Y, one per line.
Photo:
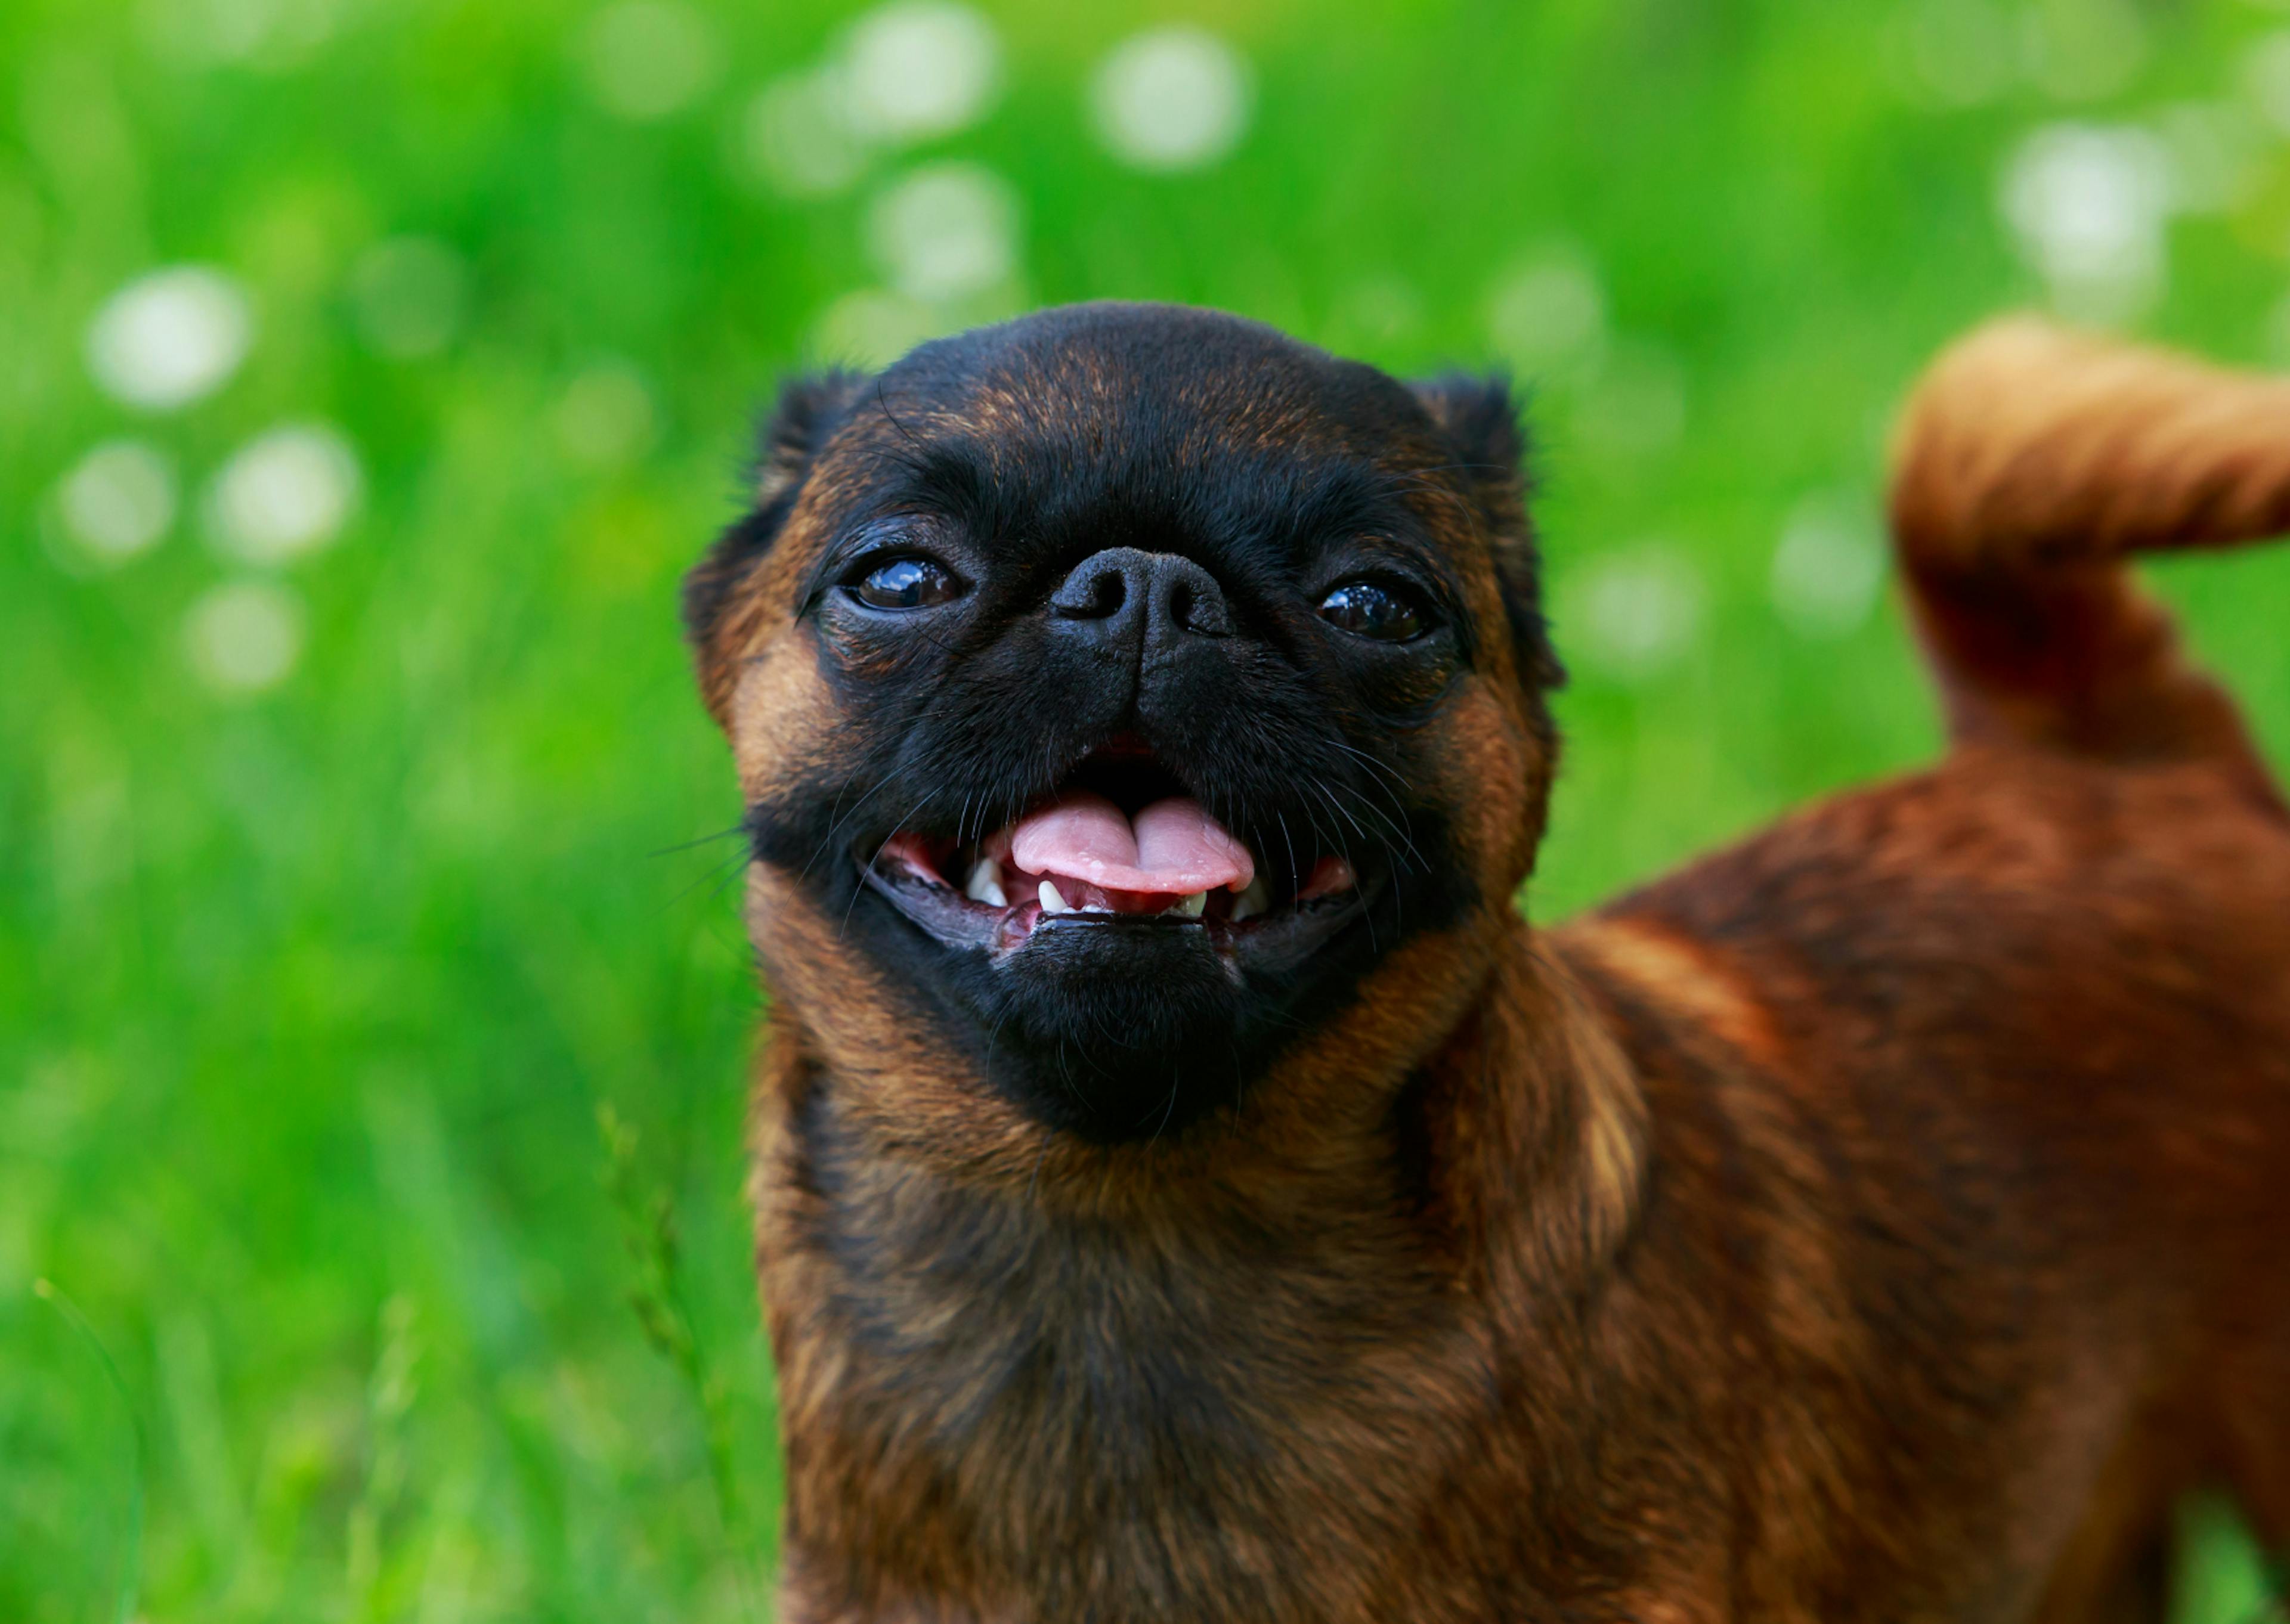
column 1188, row 1190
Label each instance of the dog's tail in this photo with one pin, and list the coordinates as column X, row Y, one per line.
column 2030, row 465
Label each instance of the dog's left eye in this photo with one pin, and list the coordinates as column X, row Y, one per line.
column 1370, row 609
column 906, row 583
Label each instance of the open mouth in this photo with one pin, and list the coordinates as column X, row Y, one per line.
column 1120, row 844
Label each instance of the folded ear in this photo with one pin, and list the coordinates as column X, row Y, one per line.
column 1480, row 420
column 810, row 409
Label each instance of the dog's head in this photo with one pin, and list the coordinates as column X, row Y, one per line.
column 1115, row 692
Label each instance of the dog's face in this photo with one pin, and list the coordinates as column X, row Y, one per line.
column 1113, row 691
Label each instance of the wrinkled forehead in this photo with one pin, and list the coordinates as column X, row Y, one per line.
column 1145, row 415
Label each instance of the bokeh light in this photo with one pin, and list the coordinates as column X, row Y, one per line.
column 2088, row 205
column 1631, row 614
column 118, row 500
column 918, row 69
column 170, row 338
column 284, row 494
column 796, row 135
column 945, row 231
column 1547, row 313
column 1828, row 566
column 1172, row 98
column 244, row 637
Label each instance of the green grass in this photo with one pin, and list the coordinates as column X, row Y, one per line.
column 310, row 1000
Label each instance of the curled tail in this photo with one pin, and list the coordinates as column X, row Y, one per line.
column 2030, row 464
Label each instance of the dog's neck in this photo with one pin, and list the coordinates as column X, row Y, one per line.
column 971, row 1376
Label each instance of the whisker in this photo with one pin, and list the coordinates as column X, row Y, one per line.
column 912, row 812
column 716, row 876
column 702, row 840
column 1397, row 832
column 1383, row 767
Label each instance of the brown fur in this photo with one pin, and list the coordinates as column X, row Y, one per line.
column 1878, row 1220
column 2032, row 463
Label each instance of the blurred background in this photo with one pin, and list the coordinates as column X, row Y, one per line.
column 373, row 1009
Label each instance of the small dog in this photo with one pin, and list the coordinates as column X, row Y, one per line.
column 1187, row 1189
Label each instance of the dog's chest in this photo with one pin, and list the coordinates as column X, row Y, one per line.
column 1064, row 1418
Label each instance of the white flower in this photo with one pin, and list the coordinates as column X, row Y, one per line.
column 170, row 338
column 2087, row 204
column 1170, row 99
column 119, row 499
column 1634, row 612
column 1549, row 313
column 285, row 494
column 1829, row 566
column 945, row 231
column 917, row 69
column 797, row 135
column 243, row 637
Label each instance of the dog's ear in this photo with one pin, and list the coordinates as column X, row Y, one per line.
column 808, row 412
column 1480, row 419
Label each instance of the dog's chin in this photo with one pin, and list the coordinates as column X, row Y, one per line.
column 1117, row 1030
column 1123, row 1027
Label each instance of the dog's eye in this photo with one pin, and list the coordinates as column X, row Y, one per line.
column 906, row 583
column 1370, row 609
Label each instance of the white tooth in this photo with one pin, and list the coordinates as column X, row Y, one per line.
column 1054, row 900
column 1192, row 906
column 1252, row 901
column 985, row 884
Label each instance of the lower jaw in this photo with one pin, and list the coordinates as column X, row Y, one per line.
column 1119, row 1029
column 1280, row 940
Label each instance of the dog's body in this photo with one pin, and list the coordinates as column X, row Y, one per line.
column 1877, row 1221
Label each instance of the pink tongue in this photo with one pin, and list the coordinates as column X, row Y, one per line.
column 1173, row 848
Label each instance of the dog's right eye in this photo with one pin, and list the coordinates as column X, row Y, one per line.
column 906, row 583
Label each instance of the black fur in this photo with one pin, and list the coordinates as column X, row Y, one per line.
column 809, row 410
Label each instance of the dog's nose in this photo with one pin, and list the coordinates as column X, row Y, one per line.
column 1124, row 595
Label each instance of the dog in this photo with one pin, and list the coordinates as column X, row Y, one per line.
column 1188, row 1189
